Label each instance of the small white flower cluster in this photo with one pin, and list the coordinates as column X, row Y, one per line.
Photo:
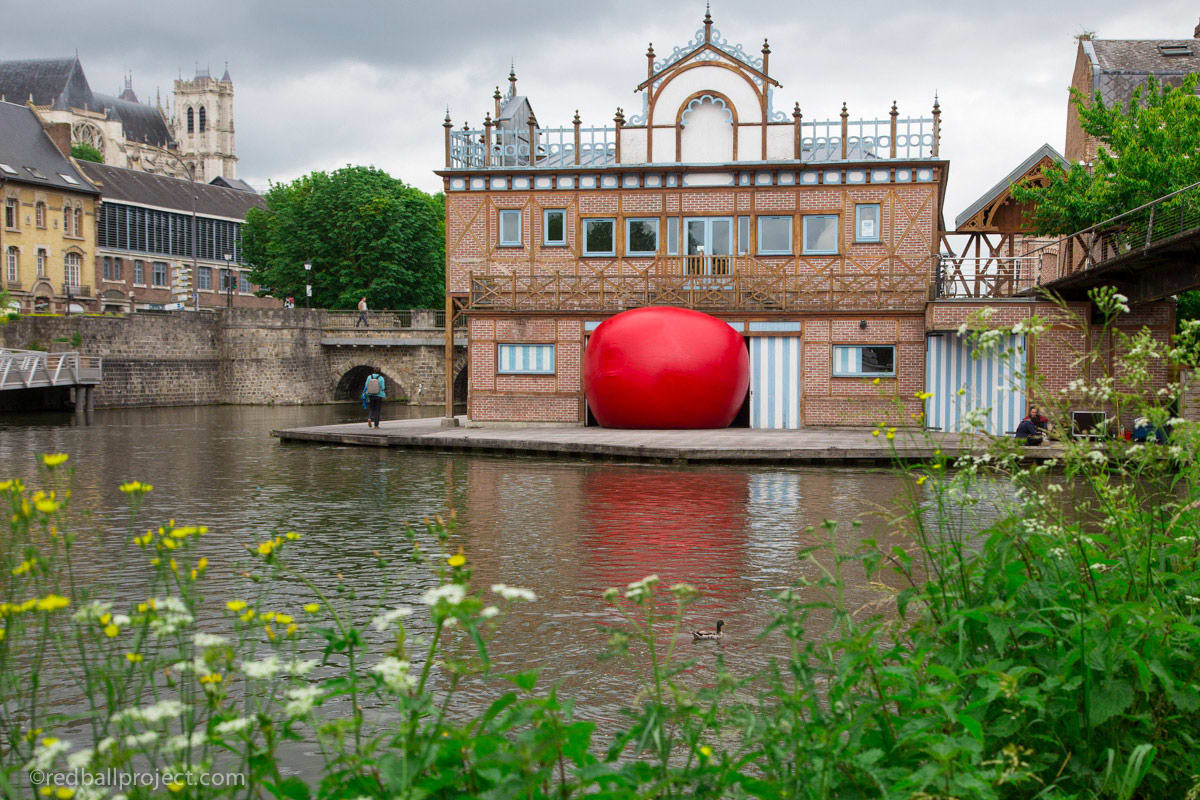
column 183, row 742
column 512, row 593
column 395, row 674
column 92, row 612
column 231, row 726
column 388, row 618
column 269, row 667
column 47, row 752
column 301, row 700
column 642, row 588
column 1100, row 392
column 204, row 640
column 151, row 715
column 1192, row 600
column 141, row 739
column 451, row 594
column 170, row 614
column 1058, row 552
column 1032, row 326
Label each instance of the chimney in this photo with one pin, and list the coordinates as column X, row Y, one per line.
column 60, row 134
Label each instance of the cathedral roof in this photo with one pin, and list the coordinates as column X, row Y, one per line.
column 233, row 183
column 57, row 82
column 141, row 123
column 145, row 188
column 29, row 152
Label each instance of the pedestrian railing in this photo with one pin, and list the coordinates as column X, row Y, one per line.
column 405, row 319
column 32, row 369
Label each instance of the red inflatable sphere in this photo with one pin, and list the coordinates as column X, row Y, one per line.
column 661, row 367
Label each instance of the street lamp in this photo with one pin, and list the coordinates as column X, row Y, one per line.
column 229, row 280
column 308, row 284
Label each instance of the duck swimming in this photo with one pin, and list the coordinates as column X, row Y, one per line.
column 702, row 634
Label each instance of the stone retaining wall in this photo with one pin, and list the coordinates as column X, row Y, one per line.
column 250, row 356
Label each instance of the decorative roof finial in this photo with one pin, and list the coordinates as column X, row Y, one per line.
column 577, row 120
column 708, row 21
column 512, row 80
column 936, row 107
column 446, row 123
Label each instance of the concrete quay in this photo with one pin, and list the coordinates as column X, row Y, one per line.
column 729, row 445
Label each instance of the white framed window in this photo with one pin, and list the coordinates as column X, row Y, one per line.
column 13, row 260
column 510, row 228
column 672, row 236
column 72, row 269
column 820, row 234
column 159, row 274
column 204, row 278
column 641, row 237
column 866, row 222
column 774, row 236
column 743, row 235
column 244, row 283
column 599, row 237
column 139, row 272
column 67, row 217
column 39, row 214
column 873, row 361
column 554, row 227
column 118, row 269
column 12, row 207
column 41, row 262
column 525, row 359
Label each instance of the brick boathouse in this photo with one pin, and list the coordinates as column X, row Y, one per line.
column 818, row 241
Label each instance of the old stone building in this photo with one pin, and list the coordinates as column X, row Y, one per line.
column 1114, row 68
column 191, row 137
column 47, row 239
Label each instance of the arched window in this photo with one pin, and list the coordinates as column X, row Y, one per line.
column 203, row 120
column 79, row 221
column 41, row 262
column 707, row 134
column 40, row 214
column 66, row 220
column 191, row 122
column 72, row 267
column 14, row 272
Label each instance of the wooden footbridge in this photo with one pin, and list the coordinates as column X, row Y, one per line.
column 35, row 369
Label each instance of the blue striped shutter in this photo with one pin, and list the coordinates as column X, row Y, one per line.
column 995, row 381
column 776, row 384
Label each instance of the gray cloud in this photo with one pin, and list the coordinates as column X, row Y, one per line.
column 319, row 85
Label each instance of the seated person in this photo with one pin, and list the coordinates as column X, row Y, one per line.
column 1145, row 432
column 1033, row 428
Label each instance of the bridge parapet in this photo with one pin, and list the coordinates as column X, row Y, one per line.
column 35, row 369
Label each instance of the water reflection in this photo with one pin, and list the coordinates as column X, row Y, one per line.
column 567, row 529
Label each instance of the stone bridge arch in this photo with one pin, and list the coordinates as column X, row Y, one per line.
column 416, row 373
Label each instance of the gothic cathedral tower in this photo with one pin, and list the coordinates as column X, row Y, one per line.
column 203, row 124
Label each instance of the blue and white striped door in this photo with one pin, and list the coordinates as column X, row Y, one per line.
column 995, row 382
column 775, row 381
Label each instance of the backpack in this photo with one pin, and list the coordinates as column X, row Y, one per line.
column 374, row 385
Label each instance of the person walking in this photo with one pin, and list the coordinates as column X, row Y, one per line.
column 362, row 313
column 373, row 393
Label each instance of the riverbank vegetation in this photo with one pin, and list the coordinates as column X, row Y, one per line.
column 1055, row 654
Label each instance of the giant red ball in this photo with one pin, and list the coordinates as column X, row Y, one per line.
column 661, row 367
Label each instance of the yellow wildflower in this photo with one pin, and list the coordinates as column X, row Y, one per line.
column 52, row 602
column 923, row 395
column 3, row 632
column 267, row 616
column 202, row 564
column 212, row 677
column 875, row 432
column 236, row 605
column 875, row 381
column 23, row 567
column 46, row 791
column 265, row 548
column 312, row 608
column 249, row 615
column 175, row 786
column 136, row 487
column 270, row 633
column 458, row 559
column 705, row 750
column 111, row 631
column 891, row 434
column 64, row 793
column 54, row 459
column 283, row 619
column 46, row 505
column 133, row 658
column 935, row 466
column 174, row 565
column 290, row 629
column 292, row 536
column 922, row 479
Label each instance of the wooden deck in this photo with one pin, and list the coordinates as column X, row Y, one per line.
column 807, row 446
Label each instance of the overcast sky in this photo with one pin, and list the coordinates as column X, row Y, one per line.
column 321, row 85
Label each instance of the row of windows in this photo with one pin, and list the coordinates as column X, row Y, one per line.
column 149, row 230
column 191, row 120
column 114, row 270
column 703, row 235
column 72, row 217
column 849, row 361
column 72, row 265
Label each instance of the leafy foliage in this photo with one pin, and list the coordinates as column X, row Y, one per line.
column 1149, row 147
column 365, row 233
column 85, row 152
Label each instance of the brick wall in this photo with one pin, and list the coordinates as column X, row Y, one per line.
column 493, row 397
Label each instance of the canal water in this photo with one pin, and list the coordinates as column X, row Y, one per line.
column 565, row 528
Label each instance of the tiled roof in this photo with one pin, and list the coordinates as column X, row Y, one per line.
column 1121, row 65
column 140, row 122
column 991, row 194
column 233, row 183
column 144, row 188
column 57, row 82
column 26, row 148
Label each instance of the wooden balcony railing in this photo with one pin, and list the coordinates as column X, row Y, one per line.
column 710, row 292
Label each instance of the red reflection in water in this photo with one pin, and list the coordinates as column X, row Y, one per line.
column 684, row 526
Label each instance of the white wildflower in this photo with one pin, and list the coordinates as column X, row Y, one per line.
column 449, row 623
column 105, row 744
column 1058, row 552
column 92, row 612
column 80, row 759
column 511, row 593
column 385, row 620
column 1192, row 601
column 1098, row 567
column 489, row 612
column 231, row 726
column 451, row 593
column 48, row 750
column 264, row 669
column 641, row 588
column 182, row 742
column 395, row 674
column 301, row 700
column 203, row 640
column 141, row 739
column 300, row 667
column 151, row 715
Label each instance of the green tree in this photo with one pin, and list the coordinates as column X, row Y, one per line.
column 85, row 152
column 365, row 233
column 1149, row 147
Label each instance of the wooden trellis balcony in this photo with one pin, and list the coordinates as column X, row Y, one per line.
column 731, row 292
